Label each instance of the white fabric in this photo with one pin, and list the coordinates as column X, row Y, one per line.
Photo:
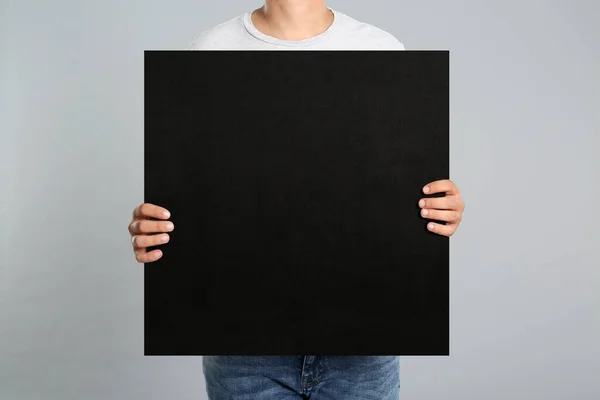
column 345, row 33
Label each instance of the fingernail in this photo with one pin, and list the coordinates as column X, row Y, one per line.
column 164, row 238
column 425, row 212
column 158, row 254
column 170, row 226
column 166, row 214
column 422, row 203
column 430, row 226
column 426, row 189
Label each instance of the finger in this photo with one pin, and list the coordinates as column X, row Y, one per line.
column 148, row 210
column 142, row 256
column 440, row 203
column 452, row 216
column 443, row 230
column 149, row 240
column 141, row 226
column 441, row 186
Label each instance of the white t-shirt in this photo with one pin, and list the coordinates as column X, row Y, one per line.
column 345, row 33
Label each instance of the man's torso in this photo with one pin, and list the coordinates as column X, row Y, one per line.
column 345, row 33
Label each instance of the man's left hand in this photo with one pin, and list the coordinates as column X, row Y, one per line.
column 448, row 208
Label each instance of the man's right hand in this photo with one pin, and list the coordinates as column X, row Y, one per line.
column 146, row 232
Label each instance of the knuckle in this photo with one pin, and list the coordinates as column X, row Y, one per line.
column 131, row 226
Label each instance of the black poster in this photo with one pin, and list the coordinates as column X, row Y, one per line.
column 293, row 180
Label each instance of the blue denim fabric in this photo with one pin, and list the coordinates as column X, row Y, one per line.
column 302, row 377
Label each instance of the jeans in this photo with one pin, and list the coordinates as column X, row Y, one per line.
column 302, row 377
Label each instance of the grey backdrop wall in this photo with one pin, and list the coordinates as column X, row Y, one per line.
column 525, row 302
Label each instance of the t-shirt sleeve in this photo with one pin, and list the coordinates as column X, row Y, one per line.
column 390, row 42
column 201, row 42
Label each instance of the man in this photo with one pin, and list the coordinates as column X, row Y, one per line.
column 297, row 25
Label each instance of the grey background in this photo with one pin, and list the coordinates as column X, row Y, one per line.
column 525, row 302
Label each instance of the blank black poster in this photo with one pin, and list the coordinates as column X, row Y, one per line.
column 293, row 180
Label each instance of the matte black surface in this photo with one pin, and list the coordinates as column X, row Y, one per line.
column 293, row 179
